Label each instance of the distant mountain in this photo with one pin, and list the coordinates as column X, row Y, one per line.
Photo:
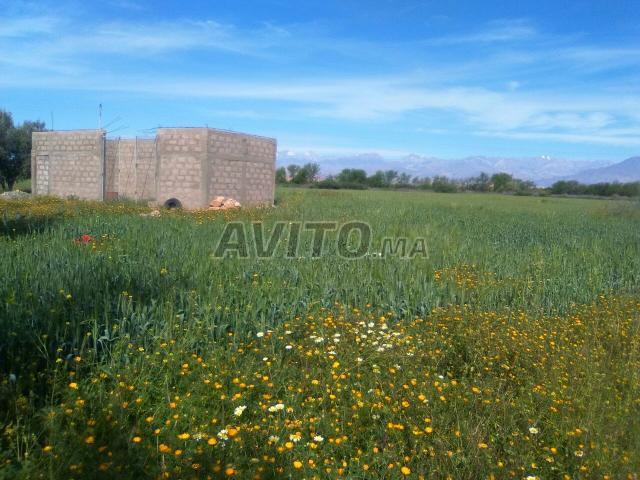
column 625, row 171
column 527, row 168
column 538, row 169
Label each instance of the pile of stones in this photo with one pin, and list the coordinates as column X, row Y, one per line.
column 223, row 203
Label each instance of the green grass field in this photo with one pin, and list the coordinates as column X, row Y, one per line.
column 511, row 351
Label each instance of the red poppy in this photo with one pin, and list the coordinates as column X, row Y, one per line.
column 84, row 239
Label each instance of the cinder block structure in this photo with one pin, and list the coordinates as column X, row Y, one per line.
column 179, row 167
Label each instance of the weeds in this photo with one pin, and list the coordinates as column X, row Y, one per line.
column 510, row 351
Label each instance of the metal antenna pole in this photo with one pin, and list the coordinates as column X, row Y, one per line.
column 135, row 171
column 120, row 188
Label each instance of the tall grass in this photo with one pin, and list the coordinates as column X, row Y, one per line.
column 502, row 266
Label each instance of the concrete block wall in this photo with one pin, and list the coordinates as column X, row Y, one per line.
column 192, row 165
column 111, row 169
column 242, row 167
column 182, row 167
column 131, row 168
column 226, row 157
column 68, row 163
column 145, row 178
column 261, row 172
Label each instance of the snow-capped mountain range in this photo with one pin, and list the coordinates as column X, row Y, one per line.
column 543, row 170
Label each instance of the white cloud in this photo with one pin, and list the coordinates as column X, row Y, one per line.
column 18, row 27
column 504, row 30
column 603, row 139
column 571, row 121
column 68, row 39
column 57, row 53
column 524, row 115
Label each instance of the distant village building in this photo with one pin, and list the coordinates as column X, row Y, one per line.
column 183, row 167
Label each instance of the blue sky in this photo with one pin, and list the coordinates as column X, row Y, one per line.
column 436, row 78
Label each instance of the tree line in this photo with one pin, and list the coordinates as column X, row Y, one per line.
column 15, row 149
column 354, row 178
column 604, row 189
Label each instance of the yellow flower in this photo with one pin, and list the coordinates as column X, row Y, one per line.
column 73, row 385
column 164, row 448
column 297, row 464
column 405, row 470
column 184, row 436
column 136, row 439
column 212, row 441
column 90, row 440
column 482, row 445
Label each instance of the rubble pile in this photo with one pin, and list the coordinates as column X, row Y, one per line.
column 223, row 203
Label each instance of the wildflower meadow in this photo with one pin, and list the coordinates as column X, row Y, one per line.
column 509, row 349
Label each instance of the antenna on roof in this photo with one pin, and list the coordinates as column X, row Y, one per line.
column 118, row 128
column 99, row 116
column 117, row 119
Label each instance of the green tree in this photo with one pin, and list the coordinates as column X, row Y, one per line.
column 293, row 170
column 352, row 175
column 312, row 170
column 281, row 175
column 377, row 180
column 481, row 183
column 390, row 176
column 404, row 179
column 565, row 187
column 502, row 182
column 6, row 126
column 422, row 182
column 15, row 149
column 300, row 175
column 443, row 184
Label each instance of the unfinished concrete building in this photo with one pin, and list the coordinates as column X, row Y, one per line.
column 184, row 167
